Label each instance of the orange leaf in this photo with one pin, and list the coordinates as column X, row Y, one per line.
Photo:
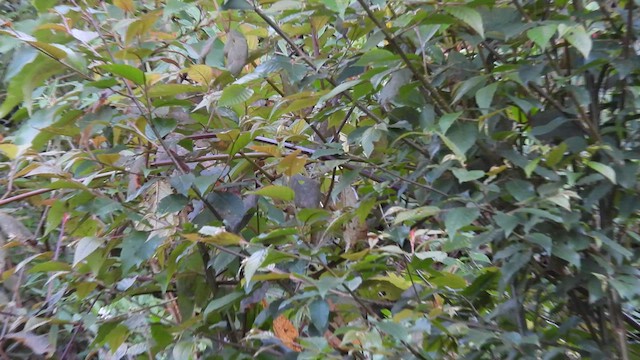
column 286, row 332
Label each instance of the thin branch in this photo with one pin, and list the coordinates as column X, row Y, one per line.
column 216, row 157
column 305, row 57
column 440, row 101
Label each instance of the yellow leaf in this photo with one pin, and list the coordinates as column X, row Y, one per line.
column 292, row 164
column 286, row 332
column 50, row 49
column 495, row 170
column 27, row 169
column 269, row 149
column 158, row 35
column 228, row 136
column 55, row 27
column 223, row 238
column 298, row 127
column 355, row 256
column 10, row 150
column 109, row 159
column 202, row 74
column 270, row 276
column 152, row 78
column 125, row 5
column 142, row 27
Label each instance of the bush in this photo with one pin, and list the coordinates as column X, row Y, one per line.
column 320, row 179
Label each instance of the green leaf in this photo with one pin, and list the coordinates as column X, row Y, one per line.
column 236, row 5
column 283, row 233
column 614, row 247
column 234, row 94
column 336, row 91
column 137, row 248
column 117, row 336
column 484, row 97
column 466, row 86
column 567, row 252
column 438, row 256
column 506, row 222
column 446, row 279
column 184, row 350
column 172, row 203
column 531, row 167
column 85, row 247
column 416, row 214
column 454, row 148
column 164, row 126
column 252, row 264
column 240, row 142
column 319, row 312
column 202, row 183
column 513, row 265
column 368, row 139
column 50, row 266
column 542, row 240
column 578, row 37
column 126, row 71
column 447, row 120
column 376, row 56
column 603, row 169
column 457, row 218
column 278, row 192
column 222, row 302
column 555, row 155
column 310, row 216
column 464, row 175
column 469, row 16
column 521, row 190
column 170, row 90
column 182, row 183
column 327, row 283
column 31, row 133
column 542, row 34
column 397, row 331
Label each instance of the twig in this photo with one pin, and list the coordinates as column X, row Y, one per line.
column 216, row 157
column 423, row 80
column 305, row 57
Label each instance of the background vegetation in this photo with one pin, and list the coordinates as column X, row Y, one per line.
column 319, row 179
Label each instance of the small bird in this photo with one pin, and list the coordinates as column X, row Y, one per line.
column 236, row 52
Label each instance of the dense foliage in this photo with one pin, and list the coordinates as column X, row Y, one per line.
column 315, row 179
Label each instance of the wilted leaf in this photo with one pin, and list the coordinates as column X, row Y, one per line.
column 39, row 344
column 286, row 332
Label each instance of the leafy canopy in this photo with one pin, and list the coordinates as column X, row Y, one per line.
column 319, row 179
